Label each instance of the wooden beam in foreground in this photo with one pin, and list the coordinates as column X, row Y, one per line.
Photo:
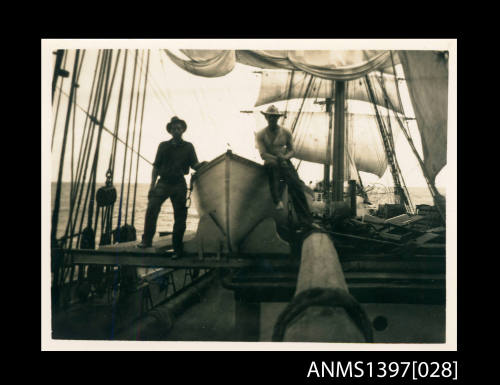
column 320, row 268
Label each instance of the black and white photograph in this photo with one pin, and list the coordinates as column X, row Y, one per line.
column 249, row 194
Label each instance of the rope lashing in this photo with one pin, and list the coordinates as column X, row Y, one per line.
column 323, row 297
column 191, row 185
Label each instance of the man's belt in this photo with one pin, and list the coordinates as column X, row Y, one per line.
column 173, row 179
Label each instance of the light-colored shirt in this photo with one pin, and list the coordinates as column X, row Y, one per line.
column 268, row 143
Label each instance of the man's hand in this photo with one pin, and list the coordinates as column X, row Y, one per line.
column 282, row 160
column 196, row 167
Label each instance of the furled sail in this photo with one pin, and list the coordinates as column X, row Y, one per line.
column 277, row 85
column 326, row 64
column 207, row 63
column 363, row 142
column 426, row 74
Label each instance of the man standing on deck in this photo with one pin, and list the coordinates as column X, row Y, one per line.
column 276, row 148
column 173, row 160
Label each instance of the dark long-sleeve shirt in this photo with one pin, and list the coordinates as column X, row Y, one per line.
column 174, row 160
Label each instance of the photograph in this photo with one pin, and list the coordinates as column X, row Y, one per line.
column 249, row 194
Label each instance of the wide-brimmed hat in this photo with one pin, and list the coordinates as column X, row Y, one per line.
column 174, row 120
column 272, row 110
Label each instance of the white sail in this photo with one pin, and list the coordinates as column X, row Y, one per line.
column 426, row 74
column 277, row 85
column 326, row 64
column 363, row 141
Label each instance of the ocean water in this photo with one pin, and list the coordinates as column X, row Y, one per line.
column 419, row 195
column 165, row 219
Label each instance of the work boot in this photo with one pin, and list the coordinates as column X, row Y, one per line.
column 144, row 245
column 176, row 255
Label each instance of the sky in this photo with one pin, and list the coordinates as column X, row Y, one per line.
column 210, row 106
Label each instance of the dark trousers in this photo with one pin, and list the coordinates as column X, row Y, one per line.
column 177, row 194
column 285, row 173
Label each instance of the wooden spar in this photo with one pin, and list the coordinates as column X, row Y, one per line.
column 338, row 143
column 326, row 177
column 57, row 70
column 320, row 266
column 352, row 194
column 320, row 269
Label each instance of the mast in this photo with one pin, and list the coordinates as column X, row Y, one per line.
column 326, row 175
column 338, row 143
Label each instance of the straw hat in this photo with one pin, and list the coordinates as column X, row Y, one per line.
column 174, row 120
column 272, row 110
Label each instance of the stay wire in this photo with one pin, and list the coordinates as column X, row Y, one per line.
column 58, row 102
column 94, row 122
column 90, row 139
column 157, row 90
column 140, row 136
column 106, row 102
column 98, row 143
column 72, row 171
column 57, row 202
column 133, row 136
column 390, row 108
column 126, row 140
column 109, row 131
column 73, row 183
column 290, row 86
column 75, row 198
column 112, row 158
column 86, row 130
column 108, row 90
column 396, row 171
column 301, row 135
column 303, row 101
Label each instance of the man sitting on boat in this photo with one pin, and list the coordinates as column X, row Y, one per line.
column 173, row 160
column 274, row 143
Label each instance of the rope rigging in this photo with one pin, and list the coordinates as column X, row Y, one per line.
column 133, row 140
column 106, row 195
column 290, row 87
column 121, row 234
column 140, row 136
column 300, row 139
column 57, row 202
column 407, row 133
column 89, row 230
column 88, row 146
column 395, row 171
column 107, row 130
column 87, row 239
column 58, row 99
column 57, row 257
column 77, row 190
column 82, row 189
